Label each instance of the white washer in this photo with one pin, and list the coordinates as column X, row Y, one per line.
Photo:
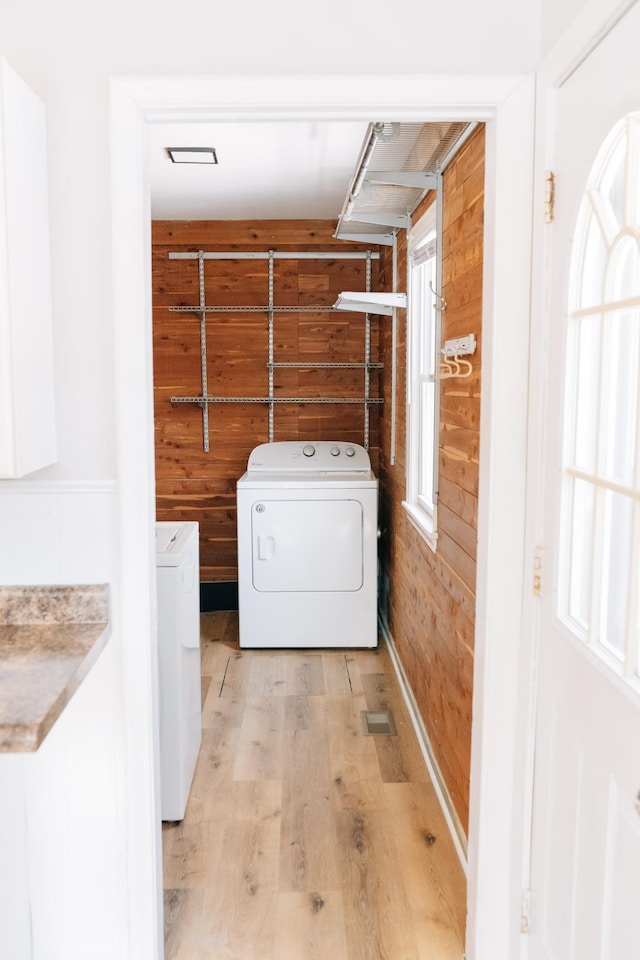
column 307, row 546
column 178, row 576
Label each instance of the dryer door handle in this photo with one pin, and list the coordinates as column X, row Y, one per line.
column 266, row 548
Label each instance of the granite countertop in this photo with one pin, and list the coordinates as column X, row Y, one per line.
column 50, row 637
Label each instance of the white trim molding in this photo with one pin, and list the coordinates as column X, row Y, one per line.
column 496, row 817
column 506, row 104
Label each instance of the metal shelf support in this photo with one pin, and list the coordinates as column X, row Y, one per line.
column 270, row 360
column 203, row 354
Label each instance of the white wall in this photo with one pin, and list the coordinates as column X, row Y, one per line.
column 60, row 533
column 66, row 51
column 555, row 17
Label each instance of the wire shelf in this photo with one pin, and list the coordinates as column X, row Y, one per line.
column 201, row 401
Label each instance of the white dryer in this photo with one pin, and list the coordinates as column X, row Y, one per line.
column 307, row 546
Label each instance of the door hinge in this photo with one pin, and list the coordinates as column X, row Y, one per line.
column 537, row 574
column 525, row 912
column 549, row 196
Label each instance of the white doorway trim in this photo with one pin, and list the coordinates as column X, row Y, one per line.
column 506, row 105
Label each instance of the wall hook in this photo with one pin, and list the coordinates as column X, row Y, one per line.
column 451, row 366
column 441, row 303
column 446, row 368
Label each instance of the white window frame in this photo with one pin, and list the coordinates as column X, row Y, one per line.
column 424, row 263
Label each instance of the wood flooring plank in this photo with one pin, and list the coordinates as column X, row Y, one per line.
column 304, row 713
column 304, row 675
column 235, row 679
column 260, row 743
column 336, row 675
column 217, row 709
column 266, row 676
column 256, row 800
column 191, row 854
column 214, row 771
column 244, row 903
column 311, row 926
column 187, row 924
column 205, row 683
column 364, row 937
column 377, row 915
column 432, row 873
column 352, row 755
column 356, row 795
column 191, row 848
column 297, row 713
column 309, row 853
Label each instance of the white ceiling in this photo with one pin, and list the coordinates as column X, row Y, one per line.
column 289, row 170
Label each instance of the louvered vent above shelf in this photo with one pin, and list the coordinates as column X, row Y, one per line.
column 398, row 164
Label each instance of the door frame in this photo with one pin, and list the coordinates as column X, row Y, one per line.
column 499, row 735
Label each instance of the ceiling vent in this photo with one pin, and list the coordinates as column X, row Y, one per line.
column 398, row 165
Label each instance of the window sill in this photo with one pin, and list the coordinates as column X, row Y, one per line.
column 423, row 523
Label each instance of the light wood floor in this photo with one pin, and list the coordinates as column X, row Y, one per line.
column 303, row 838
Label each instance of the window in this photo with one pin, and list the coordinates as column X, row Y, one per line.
column 422, row 385
column 600, row 513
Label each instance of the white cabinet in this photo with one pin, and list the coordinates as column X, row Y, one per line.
column 27, row 419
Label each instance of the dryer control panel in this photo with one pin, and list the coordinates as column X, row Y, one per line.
column 293, row 456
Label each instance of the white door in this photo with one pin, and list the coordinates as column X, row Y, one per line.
column 585, row 867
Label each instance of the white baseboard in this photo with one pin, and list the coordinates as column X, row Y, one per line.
column 453, row 821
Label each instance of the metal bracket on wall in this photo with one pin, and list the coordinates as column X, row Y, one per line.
column 203, row 354
column 270, row 360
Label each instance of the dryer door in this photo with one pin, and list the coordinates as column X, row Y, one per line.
column 307, row 545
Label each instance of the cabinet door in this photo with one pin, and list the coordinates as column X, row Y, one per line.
column 27, row 421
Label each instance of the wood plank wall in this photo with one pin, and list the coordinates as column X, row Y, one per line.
column 430, row 606
column 192, row 484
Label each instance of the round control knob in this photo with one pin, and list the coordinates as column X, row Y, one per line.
column 308, row 450
column 350, row 452
column 335, row 451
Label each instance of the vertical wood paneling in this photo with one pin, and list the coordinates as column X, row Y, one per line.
column 431, row 602
column 192, row 484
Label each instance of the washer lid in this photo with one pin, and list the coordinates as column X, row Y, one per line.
column 307, row 457
column 173, row 541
